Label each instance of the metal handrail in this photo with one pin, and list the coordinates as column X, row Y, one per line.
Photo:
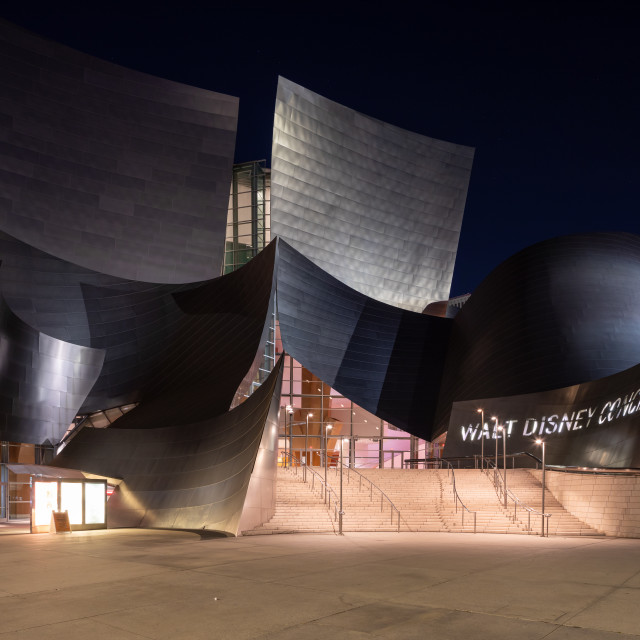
column 327, row 491
column 372, row 486
column 594, row 471
column 498, row 484
column 455, row 491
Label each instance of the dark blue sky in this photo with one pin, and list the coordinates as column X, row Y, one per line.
column 548, row 93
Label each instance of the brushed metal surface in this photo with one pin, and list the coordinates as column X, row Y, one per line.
column 387, row 360
column 559, row 313
column 43, row 381
column 187, row 475
column 151, row 337
column 594, row 424
column 377, row 207
column 115, row 170
column 220, row 330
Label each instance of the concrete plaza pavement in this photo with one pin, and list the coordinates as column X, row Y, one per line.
column 141, row 584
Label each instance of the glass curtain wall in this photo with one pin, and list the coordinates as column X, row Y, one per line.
column 335, row 422
column 15, row 489
column 249, row 217
column 248, row 233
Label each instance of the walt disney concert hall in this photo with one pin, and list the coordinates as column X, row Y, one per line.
column 171, row 321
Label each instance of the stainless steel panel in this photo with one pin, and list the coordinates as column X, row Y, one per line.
column 112, row 169
column 188, row 475
column 363, row 193
column 559, row 313
column 43, row 381
column 385, row 359
column 594, row 424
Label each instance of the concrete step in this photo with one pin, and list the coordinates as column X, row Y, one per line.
column 424, row 498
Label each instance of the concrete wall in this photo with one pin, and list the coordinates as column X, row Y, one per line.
column 609, row 503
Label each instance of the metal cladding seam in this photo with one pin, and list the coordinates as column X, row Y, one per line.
column 593, row 424
column 375, row 206
column 559, row 313
column 149, row 339
column 115, row 170
column 186, row 475
column 220, row 328
column 43, row 381
column 385, row 359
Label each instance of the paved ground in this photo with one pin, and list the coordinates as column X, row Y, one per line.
column 132, row 584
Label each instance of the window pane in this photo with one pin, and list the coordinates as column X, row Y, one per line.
column 71, row 501
column 94, row 507
column 46, row 497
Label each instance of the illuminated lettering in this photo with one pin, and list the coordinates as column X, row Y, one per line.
column 614, row 406
column 591, row 414
column 565, row 421
column 469, row 431
column 576, row 424
column 529, row 431
column 510, row 427
column 629, row 406
column 625, row 405
column 484, row 431
column 553, row 423
column 602, row 417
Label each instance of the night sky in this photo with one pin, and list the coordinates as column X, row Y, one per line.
column 548, row 93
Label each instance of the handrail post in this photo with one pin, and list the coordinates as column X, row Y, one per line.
column 341, row 504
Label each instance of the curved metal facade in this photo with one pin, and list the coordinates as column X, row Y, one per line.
column 187, row 475
column 114, row 191
column 594, row 424
column 147, row 338
column 387, row 360
column 559, row 313
column 221, row 327
column 377, row 207
column 43, row 381
column 112, row 169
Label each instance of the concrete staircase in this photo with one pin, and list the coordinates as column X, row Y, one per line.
column 422, row 509
column 299, row 508
column 424, row 498
column 529, row 489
